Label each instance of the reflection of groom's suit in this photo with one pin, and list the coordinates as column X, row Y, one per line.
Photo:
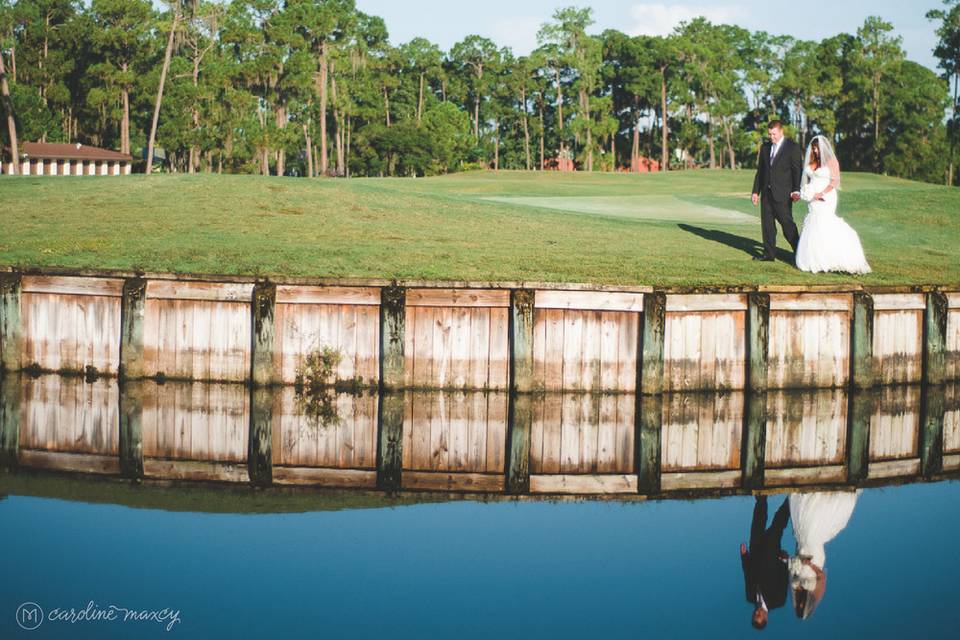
column 764, row 573
column 776, row 179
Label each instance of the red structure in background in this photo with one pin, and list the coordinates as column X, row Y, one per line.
column 642, row 164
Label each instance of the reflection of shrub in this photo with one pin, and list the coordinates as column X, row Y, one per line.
column 315, row 395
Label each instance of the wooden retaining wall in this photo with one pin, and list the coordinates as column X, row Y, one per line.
column 547, row 338
column 480, row 442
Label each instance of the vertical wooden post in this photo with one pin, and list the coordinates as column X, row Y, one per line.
column 651, row 343
column 131, row 430
column 648, row 426
column 10, row 331
column 393, row 302
column 754, row 443
column 9, row 420
column 518, row 458
column 521, row 340
column 390, row 441
column 932, row 408
column 260, row 440
column 935, row 338
column 758, row 340
column 861, row 405
column 263, row 371
column 131, row 331
column 861, row 341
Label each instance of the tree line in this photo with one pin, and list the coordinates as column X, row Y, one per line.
column 315, row 87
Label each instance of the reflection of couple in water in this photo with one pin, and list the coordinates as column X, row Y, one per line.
column 817, row 519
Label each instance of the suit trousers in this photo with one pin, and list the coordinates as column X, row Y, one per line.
column 772, row 212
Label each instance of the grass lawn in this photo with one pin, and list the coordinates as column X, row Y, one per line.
column 681, row 228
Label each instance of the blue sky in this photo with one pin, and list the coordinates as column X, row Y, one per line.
column 514, row 23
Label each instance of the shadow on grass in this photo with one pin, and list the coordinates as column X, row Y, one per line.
column 748, row 245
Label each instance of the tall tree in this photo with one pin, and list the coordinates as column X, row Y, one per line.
column 947, row 52
column 175, row 10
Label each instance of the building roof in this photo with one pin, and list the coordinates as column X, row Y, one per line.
column 68, row 151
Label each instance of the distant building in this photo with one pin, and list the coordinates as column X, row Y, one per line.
column 70, row 159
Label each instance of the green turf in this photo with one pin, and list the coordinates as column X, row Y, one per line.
column 681, row 228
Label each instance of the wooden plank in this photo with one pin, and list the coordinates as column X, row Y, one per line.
column 260, row 438
column 935, row 330
column 521, row 425
column 707, row 302
column 11, row 322
column 648, row 444
column 265, row 371
column 439, row 481
column 458, row 298
column 499, row 350
column 628, row 351
column 584, row 484
column 131, row 429
column 810, row 302
column 894, row 469
column 393, row 336
column 700, row 480
column 654, row 321
column 390, row 419
column 953, row 300
column 862, row 348
column 758, row 342
column 194, row 470
column 70, row 285
column 522, row 340
column 951, row 462
column 861, row 411
column 555, row 324
column 795, row 476
column 932, row 422
column 295, row 294
column 589, row 300
column 209, row 291
column 72, row 462
column 898, row 301
column 313, row 476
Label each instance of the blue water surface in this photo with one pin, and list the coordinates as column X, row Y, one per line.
column 473, row 570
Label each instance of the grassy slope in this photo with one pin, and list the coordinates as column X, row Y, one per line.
column 440, row 228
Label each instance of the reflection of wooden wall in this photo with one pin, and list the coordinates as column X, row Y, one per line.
column 898, row 337
column 809, row 340
column 586, row 340
column 454, row 440
column 339, row 450
column 197, row 330
column 347, row 319
column 951, row 429
column 71, row 323
column 198, row 422
column 701, row 440
column 806, row 437
column 69, row 424
column 953, row 337
column 895, row 433
column 704, row 343
column 457, row 339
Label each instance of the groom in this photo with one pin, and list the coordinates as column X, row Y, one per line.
column 777, row 187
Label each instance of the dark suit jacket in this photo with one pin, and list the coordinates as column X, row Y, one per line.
column 763, row 570
column 783, row 177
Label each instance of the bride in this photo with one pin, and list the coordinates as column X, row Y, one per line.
column 827, row 242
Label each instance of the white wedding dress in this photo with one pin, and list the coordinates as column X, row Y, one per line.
column 817, row 519
column 827, row 242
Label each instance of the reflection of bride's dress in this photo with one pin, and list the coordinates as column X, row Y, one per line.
column 817, row 519
column 827, row 242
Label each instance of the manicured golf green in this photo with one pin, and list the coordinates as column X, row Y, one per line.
column 680, row 228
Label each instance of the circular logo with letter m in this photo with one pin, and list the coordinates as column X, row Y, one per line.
column 29, row 616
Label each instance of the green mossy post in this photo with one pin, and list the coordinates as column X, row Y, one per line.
column 521, row 340
column 264, row 305
column 518, row 458
column 861, row 342
column 651, row 343
column 935, row 338
column 649, row 422
column 860, row 408
column 131, row 333
column 10, row 330
column 9, row 420
column 260, row 440
column 393, row 312
column 131, row 429
column 758, row 340
column 932, row 408
column 754, row 443
column 390, row 441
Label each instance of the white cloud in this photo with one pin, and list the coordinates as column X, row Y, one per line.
column 520, row 34
column 656, row 19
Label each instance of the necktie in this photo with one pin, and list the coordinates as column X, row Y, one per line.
column 773, row 151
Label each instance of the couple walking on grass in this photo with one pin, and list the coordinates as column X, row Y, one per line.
column 785, row 176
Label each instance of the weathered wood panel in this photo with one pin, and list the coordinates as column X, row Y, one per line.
column 809, row 341
column 70, row 324
column 463, row 347
column 895, row 426
column 898, row 337
column 309, row 325
column 702, row 432
column 205, row 334
column 582, row 433
column 952, row 354
column 951, row 420
column 341, row 436
column 200, row 422
column 585, row 350
column 70, row 415
column 705, row 342
column 805, row 429
column 583, row 484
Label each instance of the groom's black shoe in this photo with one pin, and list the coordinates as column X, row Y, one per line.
column 764, row 258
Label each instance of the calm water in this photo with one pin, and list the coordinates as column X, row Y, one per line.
column 666, row 569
